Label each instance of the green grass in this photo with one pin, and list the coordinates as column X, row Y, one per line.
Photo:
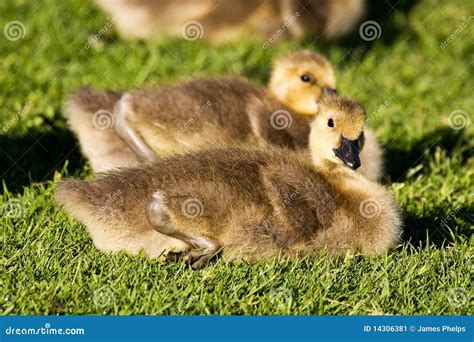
column 408, row 84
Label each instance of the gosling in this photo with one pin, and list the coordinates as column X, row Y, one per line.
column 244, row 202
column 209, row 112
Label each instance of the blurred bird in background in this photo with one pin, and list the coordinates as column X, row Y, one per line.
column 219, row 20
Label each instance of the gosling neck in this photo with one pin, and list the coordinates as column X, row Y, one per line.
column 276, row 90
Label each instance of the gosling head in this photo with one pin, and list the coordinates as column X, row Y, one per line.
column 337, row 132
column 300, row 79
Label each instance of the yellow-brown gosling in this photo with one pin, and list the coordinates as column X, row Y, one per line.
column 208, row 112
column 245, row 202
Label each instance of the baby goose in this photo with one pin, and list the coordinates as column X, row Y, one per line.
column 300, row 79
column 245, row 202
column 220, row 100
column 206, row 112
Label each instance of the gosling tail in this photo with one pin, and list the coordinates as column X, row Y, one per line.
column 112, row 207
column 91, row 118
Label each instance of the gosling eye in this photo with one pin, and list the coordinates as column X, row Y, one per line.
column 331, row 123
column 306, row 78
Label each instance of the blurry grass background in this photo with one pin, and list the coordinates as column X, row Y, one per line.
column 410, row 79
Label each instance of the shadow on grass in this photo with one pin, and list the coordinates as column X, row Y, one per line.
column 34, row 156
column 385, row 14
column 441, row 227
column 440, row 230
column 399, row 159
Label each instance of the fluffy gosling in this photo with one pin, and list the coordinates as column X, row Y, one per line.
column 209, row 112
column 244, row 202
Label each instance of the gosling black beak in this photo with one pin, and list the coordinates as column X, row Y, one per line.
column 348, row 152
column 330, row 91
